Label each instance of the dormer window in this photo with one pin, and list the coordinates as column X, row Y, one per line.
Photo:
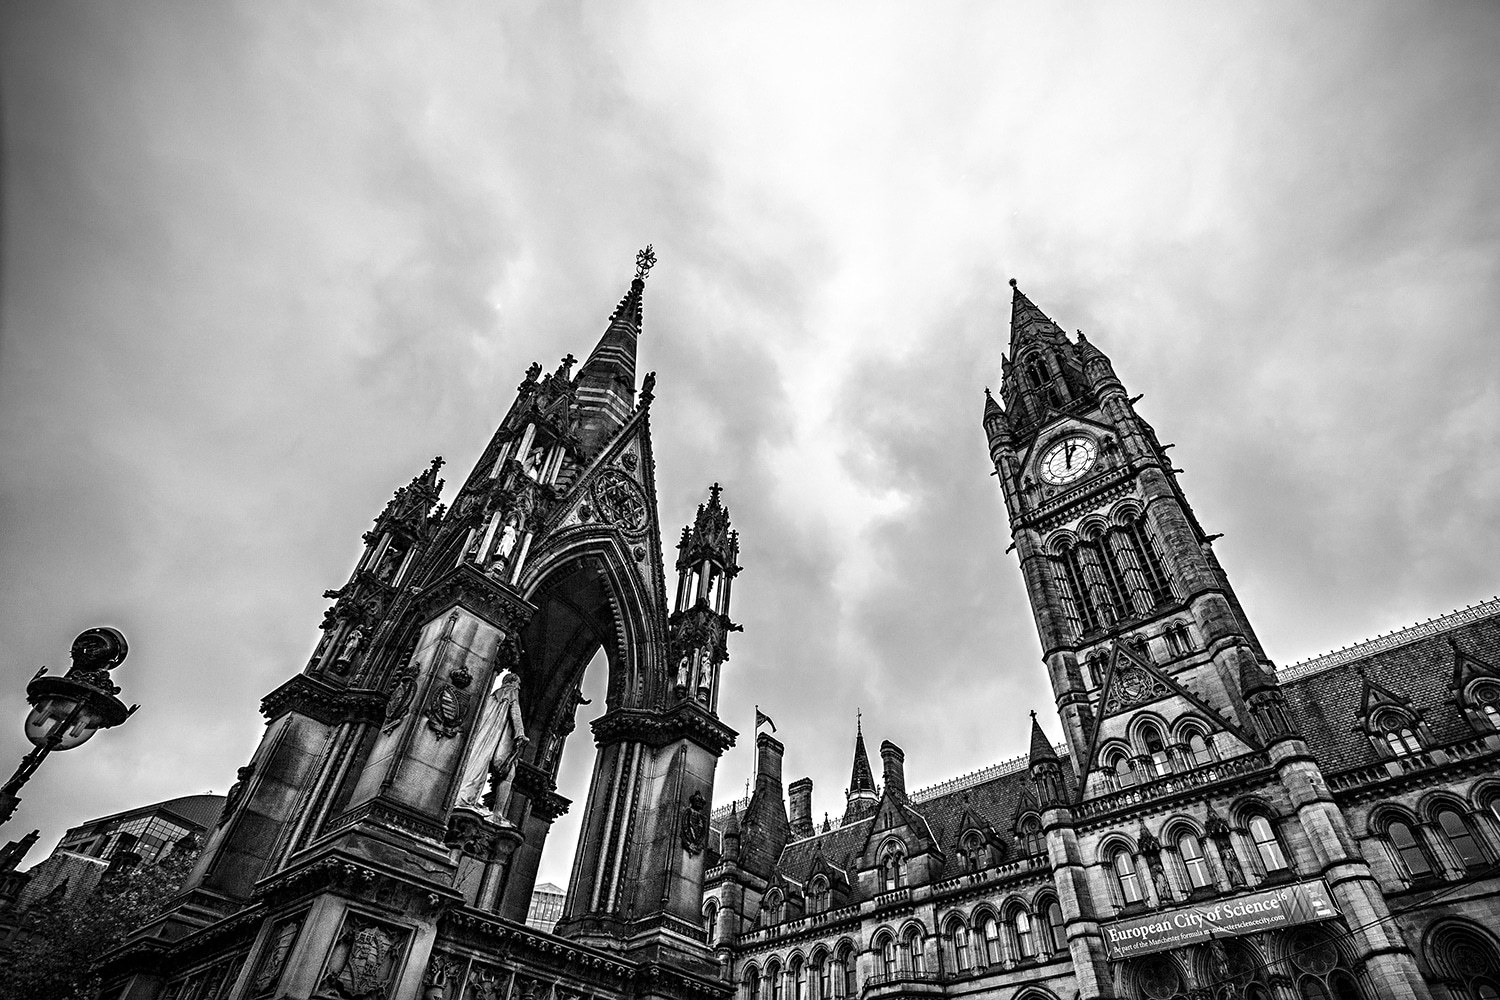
column 774, row 907
column 818, row 895
column 1399, row 734
column 974, row 850
column 1031, row 836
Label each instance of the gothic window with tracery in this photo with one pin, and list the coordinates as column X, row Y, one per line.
column 773, row 978
column 1054, row 934
column 1122, row 769
column 1399, row 734
column 822, row 976
column 893, row 867
column 1031, row 836
column 1022, row 934
column 1157, row 977
column 752, row 983
column 799, row 979
column 1112, row 574
column 1485, row 699
column 775, row 903
column 818, row 895
column 1322, row 972
column 974, row 850
column 1465, row 959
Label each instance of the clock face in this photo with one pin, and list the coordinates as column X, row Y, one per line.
column 1068, row 459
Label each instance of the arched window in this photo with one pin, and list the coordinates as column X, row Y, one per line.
column 1322, row 973
column 888, row 956
column 912, row 951
column 1056, row 932
column 1156, row 749
column 773, row 980
column 991, row 930
column 1031, row 836
column 822, row 976
column 1199, row 750
column 1122, row 768
column 1485, row 698
column 818, row 895
column 752, row 983
column 1157, row 977
column 711, row 920
column 1464, row 959
column 1024, row 936
column 1462, row 839
column 847, row 972
column 773, row 910
column 1267, row 846
column 799, row 979
column 974, row 850
column 1400, row 738
column 1126, row 878
column 893, row 867
column 962, row 959
column 1190, row 850
column 1408, row 849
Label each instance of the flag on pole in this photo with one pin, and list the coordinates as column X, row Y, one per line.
column 762, row 719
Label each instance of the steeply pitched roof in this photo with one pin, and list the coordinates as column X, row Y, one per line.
column 1416, row 664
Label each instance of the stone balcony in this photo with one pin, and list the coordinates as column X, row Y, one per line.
column 1174, row 784
column 902, row 983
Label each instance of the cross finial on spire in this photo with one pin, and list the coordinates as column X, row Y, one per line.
column 645, row 260
column 1013, row 282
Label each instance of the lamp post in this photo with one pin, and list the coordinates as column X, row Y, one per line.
column 67, row 710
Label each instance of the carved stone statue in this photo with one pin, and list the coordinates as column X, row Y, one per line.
column 499, row 737
column 390, row 561
column 349, row 650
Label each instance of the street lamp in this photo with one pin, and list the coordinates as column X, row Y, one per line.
column 67, row 710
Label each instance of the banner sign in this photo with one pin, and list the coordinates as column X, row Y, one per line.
column 1299, row 903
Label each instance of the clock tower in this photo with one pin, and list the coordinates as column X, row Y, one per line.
column 1130, row 602
column 1169, row 705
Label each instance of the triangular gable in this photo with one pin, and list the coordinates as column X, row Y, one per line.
column 1467, row 669
column 1131, row 682
column 1375, row 696
column 617, row 491
column 892, row 815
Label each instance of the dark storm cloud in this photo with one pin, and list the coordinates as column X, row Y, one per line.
column 262, row 262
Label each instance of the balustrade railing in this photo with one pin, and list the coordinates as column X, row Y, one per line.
column 1171, row 784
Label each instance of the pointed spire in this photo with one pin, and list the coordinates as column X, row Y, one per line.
column 1041, row 748
column 607, row 378
column 861, row 778
column 1028, row 323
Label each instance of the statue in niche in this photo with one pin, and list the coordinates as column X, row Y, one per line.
column 348, row 651
column 390, row 562
column 509, row 532
column 499, row 737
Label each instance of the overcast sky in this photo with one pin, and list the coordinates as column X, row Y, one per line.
column 262, row 261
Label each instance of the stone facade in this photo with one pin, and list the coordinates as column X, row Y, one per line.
column 1208, row 827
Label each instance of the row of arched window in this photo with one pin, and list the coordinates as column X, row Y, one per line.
column 1186, row 855
column 1451, row 837
column 1152, row 757
column 1021, row 935
column 827, row 975
column 1108, row 573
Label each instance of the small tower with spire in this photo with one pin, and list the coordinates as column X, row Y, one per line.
column 862, row 797
column 707, row 564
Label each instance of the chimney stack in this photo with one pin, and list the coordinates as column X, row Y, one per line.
column 801, row 807
column 768, row 754
column 895, row 770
